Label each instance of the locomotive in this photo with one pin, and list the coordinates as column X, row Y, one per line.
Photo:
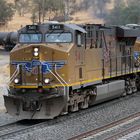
column 57, row 68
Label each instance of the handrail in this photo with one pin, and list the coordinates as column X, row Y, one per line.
column 14, row 74
column 60, row 76
column 57, row 77
column 63, row 81
column 54, row 75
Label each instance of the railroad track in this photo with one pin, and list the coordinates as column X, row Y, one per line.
column 124, row 133
column 22, row 127
column 109, row 127
column 17, row 128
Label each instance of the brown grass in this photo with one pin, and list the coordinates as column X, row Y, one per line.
column 85, row 17
column 80, row 17
column 16, row 23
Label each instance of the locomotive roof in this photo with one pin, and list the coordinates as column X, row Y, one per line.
column 76, row 27
column 46, row 26
column 125, row 31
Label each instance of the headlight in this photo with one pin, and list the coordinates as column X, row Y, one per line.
column 36, row 53
column 16, row 81
column 36, row 49
column 47, row 81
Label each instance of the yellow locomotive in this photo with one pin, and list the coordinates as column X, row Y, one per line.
column 58, row 68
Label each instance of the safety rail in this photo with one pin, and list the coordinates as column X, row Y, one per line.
column 121, row 65
column 57, row 77
column 14, row 74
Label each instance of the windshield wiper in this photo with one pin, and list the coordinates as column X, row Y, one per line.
column 50, row 33
column 60, row 34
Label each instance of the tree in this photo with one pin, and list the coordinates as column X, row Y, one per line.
column 46, row 8
column 125, row 14
column 96, row 7
column 116, row 15
column 6, row 11
column 22, row 6
column 101, row 7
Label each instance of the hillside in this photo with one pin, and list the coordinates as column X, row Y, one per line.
column 85, row 16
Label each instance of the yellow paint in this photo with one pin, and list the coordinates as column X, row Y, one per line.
column 73, row 84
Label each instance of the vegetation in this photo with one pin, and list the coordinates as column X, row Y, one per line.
column 6, row 12
column 45, row 9
column 125, row 13
column 98, row 6
column 22, row 6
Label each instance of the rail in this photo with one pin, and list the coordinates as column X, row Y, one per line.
column 99, row 130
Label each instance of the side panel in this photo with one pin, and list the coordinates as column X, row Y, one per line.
column 109, row 91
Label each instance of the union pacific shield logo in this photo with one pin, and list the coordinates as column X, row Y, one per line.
column 33, row 66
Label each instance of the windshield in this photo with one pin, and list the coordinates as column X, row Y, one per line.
column 58, row 38
column 30, row 38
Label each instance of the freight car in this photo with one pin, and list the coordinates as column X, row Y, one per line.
column 58, row 68
column 8, row 40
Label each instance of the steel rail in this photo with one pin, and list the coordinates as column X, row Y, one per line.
column 123, row 133
column 16, row 128
column 105, row 127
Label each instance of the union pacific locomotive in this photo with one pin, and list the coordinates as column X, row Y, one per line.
column 58, row 68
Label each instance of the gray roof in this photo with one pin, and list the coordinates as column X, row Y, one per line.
column 76, row 27
column 124, row 31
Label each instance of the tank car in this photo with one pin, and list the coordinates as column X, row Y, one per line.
column 57, row 68
column 8, row 40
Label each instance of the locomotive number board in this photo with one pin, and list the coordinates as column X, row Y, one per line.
column 56, row 27
column 32, row 27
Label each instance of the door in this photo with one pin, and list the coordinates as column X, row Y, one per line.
column 80, row 57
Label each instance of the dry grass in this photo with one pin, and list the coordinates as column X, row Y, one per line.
column 4, row 74
column 80, row 17
column 85, row 17
column 16, row 23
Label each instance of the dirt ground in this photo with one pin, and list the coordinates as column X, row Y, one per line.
column 4, row 76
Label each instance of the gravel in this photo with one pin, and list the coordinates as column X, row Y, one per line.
column 132, row 136
column 71, row 125
column 4, row 75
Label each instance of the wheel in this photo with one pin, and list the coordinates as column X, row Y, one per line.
column 74, row 107
column 129, row 91
column 85, row 104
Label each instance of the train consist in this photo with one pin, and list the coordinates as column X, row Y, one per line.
column 58, row 68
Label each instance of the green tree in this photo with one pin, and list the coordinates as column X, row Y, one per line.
column 132, row 12
column 22, row 6
column 6, row 11
column 44, row 7
column 125, row 14
column 116, row 15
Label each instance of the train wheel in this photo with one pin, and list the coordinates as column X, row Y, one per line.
column 85, row 104
column 74, row 107
column 129, row 90
column 124, row 94
column 134, row 89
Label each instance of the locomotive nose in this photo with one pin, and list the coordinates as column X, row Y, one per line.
column 28, row 65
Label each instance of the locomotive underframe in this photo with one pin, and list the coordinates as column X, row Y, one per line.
column 51, row 106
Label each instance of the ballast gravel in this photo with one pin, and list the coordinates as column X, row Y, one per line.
column 74, row 124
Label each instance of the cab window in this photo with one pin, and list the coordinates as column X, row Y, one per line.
column 30, row 38
column 58, row 38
